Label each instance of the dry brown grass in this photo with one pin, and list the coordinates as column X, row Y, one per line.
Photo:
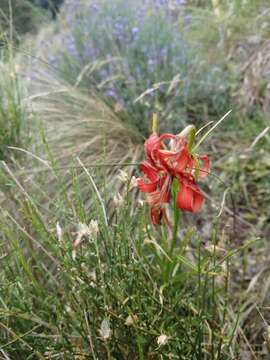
column 71, row 125
column 254, row 90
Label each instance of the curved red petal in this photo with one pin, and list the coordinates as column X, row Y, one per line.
column 175, row 161
column 165, row 185
column 163, row 157
column 150, row 171
column 206, row 165
column 152, row 143
column 185, row 198
column 189, row 197
column 161, row 195
column 166, row 154
column 183, row 160
column 198, row 200
column 167, row 136
column 146, row 187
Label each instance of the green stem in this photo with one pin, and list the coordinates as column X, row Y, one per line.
column 176, row 216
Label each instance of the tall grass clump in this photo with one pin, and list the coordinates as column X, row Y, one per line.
column 96, row 284
column 77, row 123
column 19, row 17
column 14, row 114
column 236, row 39
column 136, row 58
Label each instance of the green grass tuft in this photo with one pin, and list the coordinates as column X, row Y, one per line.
column 118, row 291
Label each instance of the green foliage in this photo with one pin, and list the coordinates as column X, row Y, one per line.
column 13, row 111
column 247, row 166
column 18, row 17
column 137, row 60
column 120, row 292
column 235, row 41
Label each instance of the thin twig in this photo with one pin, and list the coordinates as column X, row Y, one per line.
column 211, row 129
column 259, row 137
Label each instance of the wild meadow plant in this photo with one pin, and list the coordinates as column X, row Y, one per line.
column 135, row 57
column 105, row 283
column 13, row 110
column 18, row 18
column 106, row 67
column 84, row 271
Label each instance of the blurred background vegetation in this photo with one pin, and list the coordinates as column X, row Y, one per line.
column 23, row 16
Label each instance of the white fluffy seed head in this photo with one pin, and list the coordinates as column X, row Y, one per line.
column 133, row 183
column 162, row 340
column 131, row 319
column 123, row 176
column 118, row 200
column 86, row 232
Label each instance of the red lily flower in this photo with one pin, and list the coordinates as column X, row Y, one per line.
column 163, row 164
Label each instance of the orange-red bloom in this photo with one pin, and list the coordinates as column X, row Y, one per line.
column 163, row 164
